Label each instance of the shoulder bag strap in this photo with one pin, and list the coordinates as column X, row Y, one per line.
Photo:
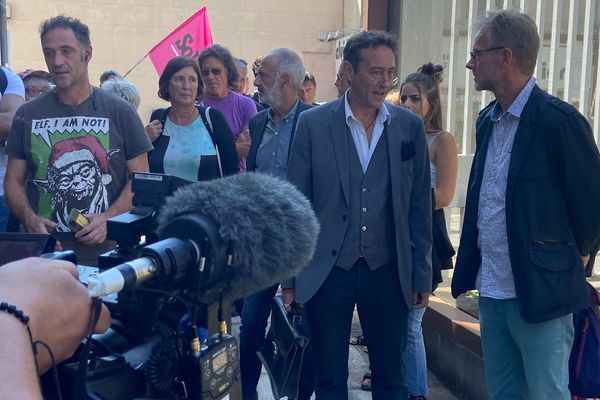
column 212, row 134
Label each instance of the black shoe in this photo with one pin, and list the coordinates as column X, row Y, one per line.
column 366, row 381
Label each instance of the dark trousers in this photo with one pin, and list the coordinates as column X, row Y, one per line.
column 255, row 313
column 383, row 316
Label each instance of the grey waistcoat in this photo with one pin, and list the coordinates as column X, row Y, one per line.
column 370, row 232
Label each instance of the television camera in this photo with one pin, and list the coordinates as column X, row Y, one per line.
column 163, row 342
column 216, row 240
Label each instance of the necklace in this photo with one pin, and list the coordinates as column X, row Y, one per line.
column 371, row 124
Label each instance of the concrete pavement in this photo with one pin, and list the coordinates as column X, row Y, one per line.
column 358, row 364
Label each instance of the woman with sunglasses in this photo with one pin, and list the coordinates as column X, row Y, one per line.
column 190, row 141
column 220, row 76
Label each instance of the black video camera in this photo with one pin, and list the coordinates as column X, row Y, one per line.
column 164, row 343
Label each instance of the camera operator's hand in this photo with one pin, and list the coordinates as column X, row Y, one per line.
column 95, row 231
column 58, row 306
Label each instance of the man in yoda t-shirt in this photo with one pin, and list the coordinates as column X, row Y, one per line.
column 78, row 143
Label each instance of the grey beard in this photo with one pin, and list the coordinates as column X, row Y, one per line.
column 272, row 98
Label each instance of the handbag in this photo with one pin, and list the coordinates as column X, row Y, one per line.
column 282, row 351
column 584, row 362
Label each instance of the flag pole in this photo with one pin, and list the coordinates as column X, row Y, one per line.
column 136, row 64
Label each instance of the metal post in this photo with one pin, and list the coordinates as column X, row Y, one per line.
column 454, row 32
column 553, row 68
column 3, row 34
column 468, row 108
column 571, row 43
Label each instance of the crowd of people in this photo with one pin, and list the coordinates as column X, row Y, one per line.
column 377, row 166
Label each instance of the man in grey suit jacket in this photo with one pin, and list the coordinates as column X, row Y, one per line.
column 364, row 166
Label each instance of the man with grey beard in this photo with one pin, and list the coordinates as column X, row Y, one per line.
column 278, row 80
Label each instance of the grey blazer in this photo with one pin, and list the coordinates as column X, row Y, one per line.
column 319, row 167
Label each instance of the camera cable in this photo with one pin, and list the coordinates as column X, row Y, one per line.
column 52, row 383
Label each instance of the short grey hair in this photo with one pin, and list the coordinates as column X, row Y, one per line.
column 125, row 90
column 515, row 30
column 288, row 62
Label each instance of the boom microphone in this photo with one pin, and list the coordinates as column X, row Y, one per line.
column 257, row 230
column 269, row 225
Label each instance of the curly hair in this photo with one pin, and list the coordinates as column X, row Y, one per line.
column 81, row 30
column 125, row 90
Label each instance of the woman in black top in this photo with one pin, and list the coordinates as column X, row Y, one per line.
column 190, row 141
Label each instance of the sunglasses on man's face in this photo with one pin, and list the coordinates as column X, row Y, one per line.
column 214, row 71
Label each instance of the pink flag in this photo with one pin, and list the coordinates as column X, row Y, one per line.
column 189, row 39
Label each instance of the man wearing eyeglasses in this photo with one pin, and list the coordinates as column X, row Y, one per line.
column 531, row 216
column 363, row 164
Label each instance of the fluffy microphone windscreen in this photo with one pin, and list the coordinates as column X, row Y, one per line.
column 271, row 225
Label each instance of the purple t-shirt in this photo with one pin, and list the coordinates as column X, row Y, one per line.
column 236, row 109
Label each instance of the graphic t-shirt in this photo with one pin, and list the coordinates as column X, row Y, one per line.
column 77, row 155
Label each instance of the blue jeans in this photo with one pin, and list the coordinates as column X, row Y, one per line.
column 3, row 214
column 414, row 359
column 255, row 313
column 524, row 360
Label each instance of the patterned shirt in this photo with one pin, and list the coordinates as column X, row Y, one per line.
column 188, row 144
column 495, row 278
